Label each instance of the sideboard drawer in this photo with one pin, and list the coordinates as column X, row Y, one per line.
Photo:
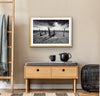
column 64, row 72
column 37, row 72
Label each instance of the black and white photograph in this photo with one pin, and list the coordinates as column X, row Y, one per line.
column 51, row 31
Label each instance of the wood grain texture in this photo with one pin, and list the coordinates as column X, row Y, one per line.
column 9, row 46
column 50, row 72
column 5, row 77
column 65, row 72
column 43, row 73
column 74, row 85
column 12, row 50
column 9, row 62
column 27, row 85
column 6, row 1
column 9, row 31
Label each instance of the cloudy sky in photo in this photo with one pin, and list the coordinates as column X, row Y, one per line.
column 52, row 24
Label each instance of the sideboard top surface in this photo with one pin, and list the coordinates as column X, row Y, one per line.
column 69, row 63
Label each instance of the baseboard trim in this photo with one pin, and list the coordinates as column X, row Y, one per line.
column 41, row 86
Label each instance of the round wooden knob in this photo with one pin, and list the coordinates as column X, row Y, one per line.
column 63, row 70
column 37, row 69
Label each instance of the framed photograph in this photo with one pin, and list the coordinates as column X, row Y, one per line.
column 51, row 31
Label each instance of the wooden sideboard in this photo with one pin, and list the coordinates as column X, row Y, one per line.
column 50, row 72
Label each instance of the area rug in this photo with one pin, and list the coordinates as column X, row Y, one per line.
column 39, row 94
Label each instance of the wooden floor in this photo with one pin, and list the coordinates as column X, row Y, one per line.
column 80, row 92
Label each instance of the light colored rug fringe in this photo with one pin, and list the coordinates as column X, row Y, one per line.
column 39, row 94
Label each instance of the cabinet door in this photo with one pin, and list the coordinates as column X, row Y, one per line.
column 37, row 72
column 64, row 72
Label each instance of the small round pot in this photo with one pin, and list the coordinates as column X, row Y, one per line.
column 65, row 56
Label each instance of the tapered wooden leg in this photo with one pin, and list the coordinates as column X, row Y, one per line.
column 74, row 85
column 27, row 85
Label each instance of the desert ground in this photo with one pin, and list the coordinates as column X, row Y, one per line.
column 57, row 37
